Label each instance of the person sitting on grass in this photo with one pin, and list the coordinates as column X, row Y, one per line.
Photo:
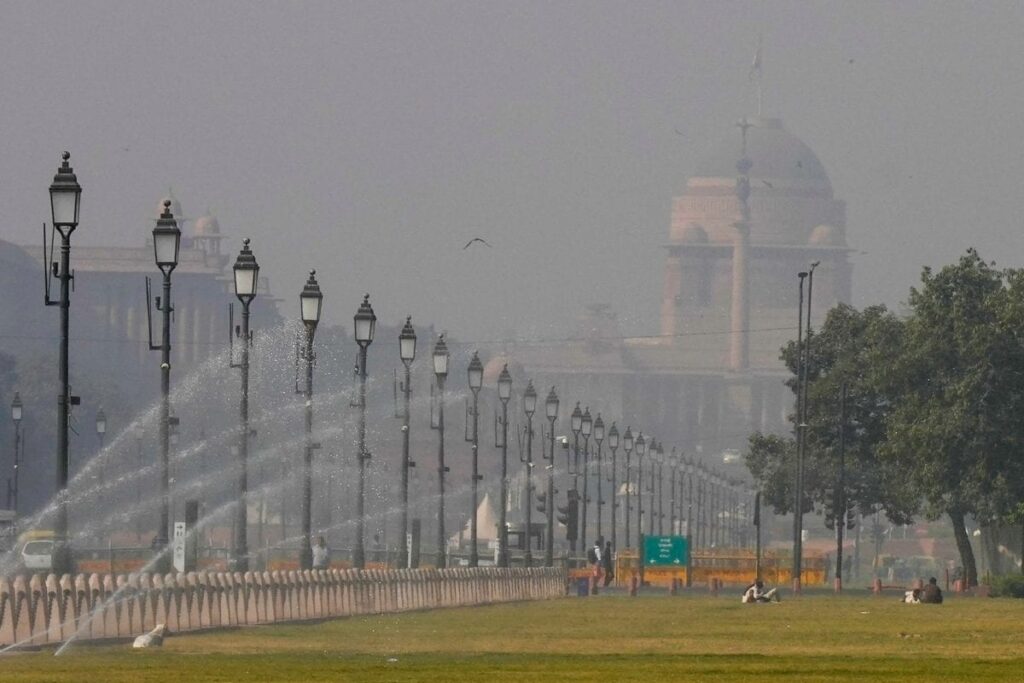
column 932, row 594
column 912, row 597
column 756, row 593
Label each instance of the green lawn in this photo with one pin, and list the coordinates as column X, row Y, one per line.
column 608, row 638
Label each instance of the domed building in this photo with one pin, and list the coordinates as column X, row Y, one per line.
column 756, row 211
column 730, row 286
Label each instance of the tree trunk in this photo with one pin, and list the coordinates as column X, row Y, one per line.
column 963, row 544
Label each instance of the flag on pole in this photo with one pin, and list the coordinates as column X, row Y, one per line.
column 755, row 66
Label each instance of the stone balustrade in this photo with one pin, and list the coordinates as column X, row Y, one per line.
column 41, row 609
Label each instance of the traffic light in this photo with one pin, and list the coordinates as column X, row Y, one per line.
column 569, row 516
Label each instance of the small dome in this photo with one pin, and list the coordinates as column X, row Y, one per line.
column 206, row 226
column 694, row 234
column 773, row 151
column 826, row 236
column 493, row 367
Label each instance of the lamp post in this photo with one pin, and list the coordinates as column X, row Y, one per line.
column 689, row 524
column 101, row 431
column 311, row 301
column 65, row 202
column 475, row 374
column 551, row 410
column 586, row 429
column 613, row 445
column 641, row 449
column 16, row 412
column 576, row 423
column 599, row 439
column 440, row 373
column 407, row 352
column 673, row 465
column 365, row 323
column 654, row 458
column 627, row 445
column 166, row 245
column 504, row 394
column 246, row 272
column 529, row 407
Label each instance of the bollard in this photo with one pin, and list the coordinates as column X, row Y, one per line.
column 673, row 586
column 634, row 585
column 876, row 586
column 713, row 586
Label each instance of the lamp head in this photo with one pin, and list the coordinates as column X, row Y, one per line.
column 311, row 301
column 407, row 341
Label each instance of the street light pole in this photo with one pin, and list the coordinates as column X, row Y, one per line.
column 598, row 439
column 475, row 374
column 613, row 445
column 166, row 244
column 365, row 325
column 586, row 427
column 576, row 423
column 16, row 413
column 504, row 394
column 641, row 448
column 440, row 373
column 311, row 301
column 65, row 201
column 529, row 407
column 627, row 445
column 689, row 525
column 551, row 408
column 246, row 272
column 407, row 352
column 101, row 431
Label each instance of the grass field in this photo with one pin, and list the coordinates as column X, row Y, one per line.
column 607, row 638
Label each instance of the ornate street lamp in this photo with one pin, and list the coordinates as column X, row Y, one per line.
column 475, row 374
column 166, row 246
column 311, row 301
column 613, row 445
column 440, row 359
column 551, row 411
column 16, row 412
column 365, row 322
column 599, row 439
column 65, row 201
column 586, row 429
column 529, row 408
column 641, row 449
column 627, row 445
column 504, row 394
column 407, row 352
column 576, row 425
column 246, row 277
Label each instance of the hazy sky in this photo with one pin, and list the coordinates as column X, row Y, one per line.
column 371, row 140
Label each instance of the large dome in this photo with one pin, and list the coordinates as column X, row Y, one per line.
column 774, row 152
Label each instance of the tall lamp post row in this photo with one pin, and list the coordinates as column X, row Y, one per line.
column 65, row 197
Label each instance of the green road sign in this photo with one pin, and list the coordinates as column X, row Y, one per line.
column 665, row 551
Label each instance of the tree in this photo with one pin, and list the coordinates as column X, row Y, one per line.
column 958, row 391
column 851, row 349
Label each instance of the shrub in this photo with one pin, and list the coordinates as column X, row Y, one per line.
column 1010, row 586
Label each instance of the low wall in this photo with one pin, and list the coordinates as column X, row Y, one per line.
column 49, row 609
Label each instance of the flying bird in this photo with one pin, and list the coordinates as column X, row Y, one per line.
column 476, row 239
column 768, row 184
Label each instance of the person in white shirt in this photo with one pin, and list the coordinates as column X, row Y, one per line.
column 321, row 554
column 756, row 593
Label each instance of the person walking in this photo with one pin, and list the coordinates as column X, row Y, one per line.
column 606, row 562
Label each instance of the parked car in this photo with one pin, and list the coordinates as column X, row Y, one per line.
column 37, row 555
